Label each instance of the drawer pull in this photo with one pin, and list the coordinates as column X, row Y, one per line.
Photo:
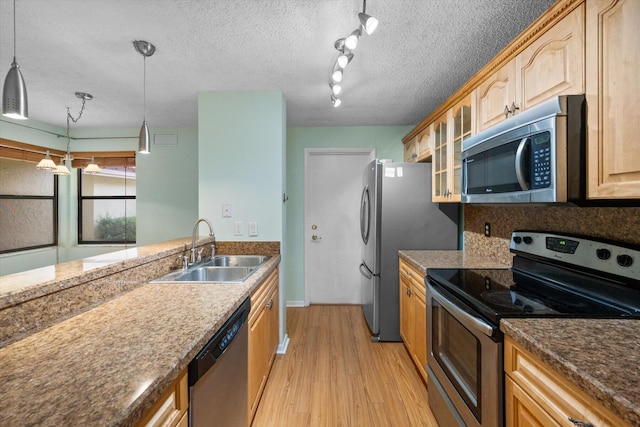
column 579, row 423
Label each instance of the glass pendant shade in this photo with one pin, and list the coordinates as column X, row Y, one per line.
column 369, row 23
column 144, row 140
column 92, row 168
column 61, row 169
column 46, row 163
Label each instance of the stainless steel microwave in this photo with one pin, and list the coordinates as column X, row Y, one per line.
column 537, row 156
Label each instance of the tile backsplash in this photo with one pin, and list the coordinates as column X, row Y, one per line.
column 621, row 224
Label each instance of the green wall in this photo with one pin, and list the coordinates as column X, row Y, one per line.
column 387, row 140
column 240, row 161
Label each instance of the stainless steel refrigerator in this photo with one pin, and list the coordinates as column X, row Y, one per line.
column 396, row 213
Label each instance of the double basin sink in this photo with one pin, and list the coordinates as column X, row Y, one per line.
column 222, row 268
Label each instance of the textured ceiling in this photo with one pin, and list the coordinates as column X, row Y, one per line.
column 422, row 51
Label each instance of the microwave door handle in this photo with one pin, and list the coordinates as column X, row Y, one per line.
column 463, row 317
column 519, row 166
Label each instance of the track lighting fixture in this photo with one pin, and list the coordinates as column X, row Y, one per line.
column 346, row 46
column 335, row 88
column 14, row 93
column 144, row 140
column 369, row 23
column 351, row 41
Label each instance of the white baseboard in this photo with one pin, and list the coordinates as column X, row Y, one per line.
column 282, row 347
column 296, row 304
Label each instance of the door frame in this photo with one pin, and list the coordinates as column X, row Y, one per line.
column 308, row 153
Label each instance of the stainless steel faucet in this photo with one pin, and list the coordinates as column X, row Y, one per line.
column 195, row 233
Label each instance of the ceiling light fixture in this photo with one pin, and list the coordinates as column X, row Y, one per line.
column 46, row 164
column 346, row 46
column 351, row 41
column 92, row 168
column 14, row 94
column 62, row 169
column 369, row 23
column 144, row 140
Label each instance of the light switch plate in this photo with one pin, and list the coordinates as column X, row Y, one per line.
column 253, row 229
column 237, row 228
column 226, row 210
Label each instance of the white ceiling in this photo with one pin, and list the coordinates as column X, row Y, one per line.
column 422, row 51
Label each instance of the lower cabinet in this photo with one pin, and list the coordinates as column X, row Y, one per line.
column 536, row 395
column 413, row 315
column 263, row 338
column 170, row 410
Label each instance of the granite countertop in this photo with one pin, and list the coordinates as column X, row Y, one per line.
column 448, row 259
column 108, row 365
column 600, row 356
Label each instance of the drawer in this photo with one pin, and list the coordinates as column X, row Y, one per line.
column 415, row 276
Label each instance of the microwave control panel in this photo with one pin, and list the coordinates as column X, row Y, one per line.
column 541, row 159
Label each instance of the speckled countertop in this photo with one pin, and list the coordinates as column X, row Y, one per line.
column 448, row 259
column 108, row 365
column 601, row 357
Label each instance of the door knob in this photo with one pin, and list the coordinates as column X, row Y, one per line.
column 315, row 237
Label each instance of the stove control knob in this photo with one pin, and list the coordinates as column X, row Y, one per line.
column 527, row 239
column 624, row 260
column 517, row 240
column 603, row 254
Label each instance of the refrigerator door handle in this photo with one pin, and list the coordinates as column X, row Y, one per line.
column 365, row 215
column 365, row 271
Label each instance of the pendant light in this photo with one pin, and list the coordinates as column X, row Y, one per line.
column 369, row 23
column 144, row 139
column 46, row 163
column 92, row 168
column 14, row 92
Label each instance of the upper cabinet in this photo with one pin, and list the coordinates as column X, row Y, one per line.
column 554, row 56
column 612, row 89
column 551, row 65
column 419, row 149
column 448, row 133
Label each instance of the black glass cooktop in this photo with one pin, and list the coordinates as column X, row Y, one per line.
column 542, row 291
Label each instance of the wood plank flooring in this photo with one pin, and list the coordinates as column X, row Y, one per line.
column 333, row 375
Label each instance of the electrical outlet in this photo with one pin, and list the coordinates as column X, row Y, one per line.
column 253, row 229
column 237, row 228
column 487, row 229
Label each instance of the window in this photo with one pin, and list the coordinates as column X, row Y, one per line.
column 28, row 206
column 107, row 205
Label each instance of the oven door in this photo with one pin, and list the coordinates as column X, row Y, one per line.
column 464, row 361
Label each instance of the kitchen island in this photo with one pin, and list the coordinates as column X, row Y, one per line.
column 109, row 364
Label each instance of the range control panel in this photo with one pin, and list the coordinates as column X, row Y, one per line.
column 606, row 256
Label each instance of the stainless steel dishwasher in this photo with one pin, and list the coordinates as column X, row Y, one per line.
column 218, row 376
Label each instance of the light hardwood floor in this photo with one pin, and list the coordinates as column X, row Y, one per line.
column 333, row 375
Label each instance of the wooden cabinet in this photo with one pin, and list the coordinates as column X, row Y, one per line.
column 536, row 395
column 413, row 315
column 411, row 151
column 612, row 87
column 418, row 149
column 495, row 94
column 263, row 337
column 448, row 133
column 171, row 408
column 553, row 64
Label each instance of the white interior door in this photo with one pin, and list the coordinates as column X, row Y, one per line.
column 333, row 248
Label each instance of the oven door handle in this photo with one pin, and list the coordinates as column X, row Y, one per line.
column 463, row 317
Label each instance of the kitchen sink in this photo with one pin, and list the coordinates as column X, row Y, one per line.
column 215, row 274
column 237, row 260
column 221, row 269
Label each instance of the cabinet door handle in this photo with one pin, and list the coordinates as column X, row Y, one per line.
column 270, row 304
column 409, row 292
column 580, row 423
column 506, row 111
